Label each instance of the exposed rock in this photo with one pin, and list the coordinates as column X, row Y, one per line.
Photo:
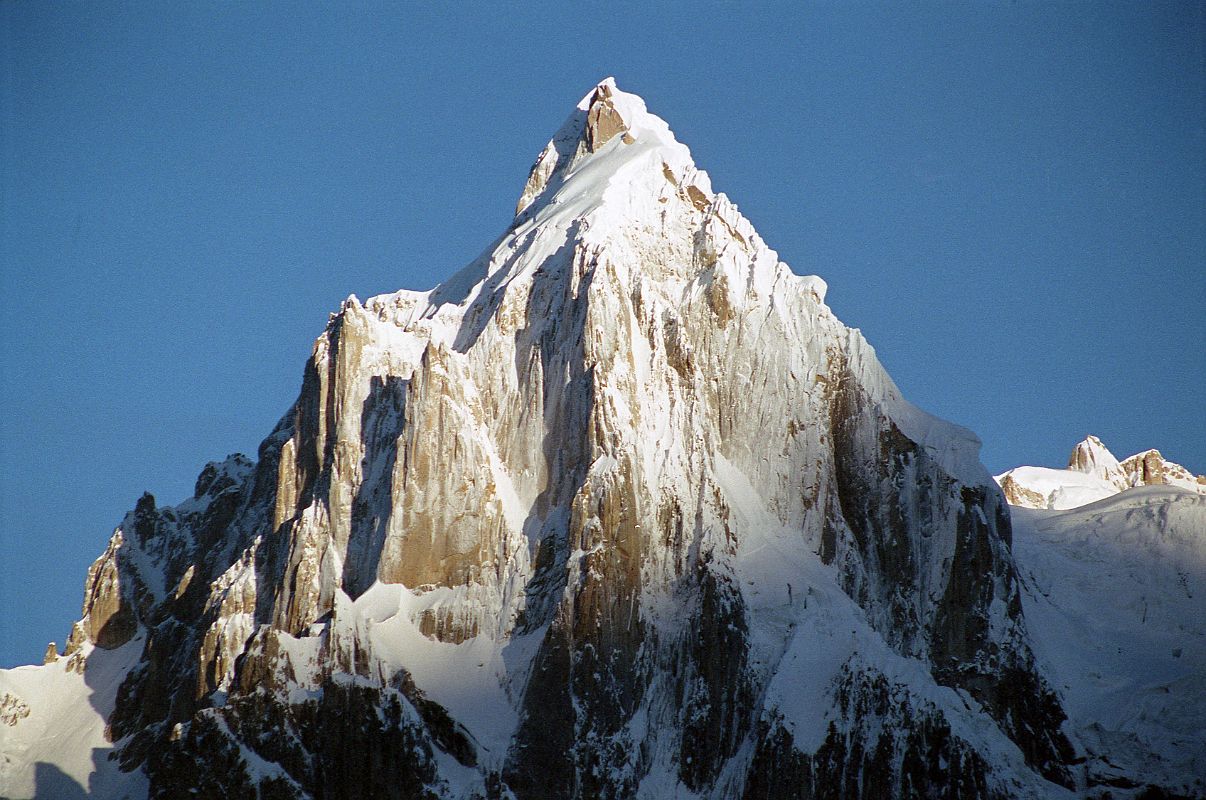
column 1145, row 469
column 603, row 121
column 1017, row 494
column 109, row 619
column 538, row 178
column 12, row 709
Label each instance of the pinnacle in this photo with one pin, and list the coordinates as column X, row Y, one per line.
column 605, row 119
column 1092, row 441
column 1091, row 454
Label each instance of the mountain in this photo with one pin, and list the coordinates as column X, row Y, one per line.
column 619, row 510
column 1093, row 473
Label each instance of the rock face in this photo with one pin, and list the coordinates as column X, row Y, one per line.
column 1093, row 474
column 1149, row 468
column 1017, row 493
column 619, row 510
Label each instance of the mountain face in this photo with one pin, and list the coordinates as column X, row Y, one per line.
column 620, row 510
column 1093, row 473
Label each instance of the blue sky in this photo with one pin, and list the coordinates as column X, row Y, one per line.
column 1008, row 198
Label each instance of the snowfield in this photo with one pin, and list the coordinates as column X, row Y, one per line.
column 1115, row 599
column 52, row 728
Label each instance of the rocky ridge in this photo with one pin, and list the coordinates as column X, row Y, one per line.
column 1093, row 473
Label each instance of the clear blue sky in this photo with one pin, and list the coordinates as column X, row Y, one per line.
column 1008, row 198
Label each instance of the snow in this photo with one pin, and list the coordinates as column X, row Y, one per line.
column 1115, row 601
column 60, row 748
column 1062, row 488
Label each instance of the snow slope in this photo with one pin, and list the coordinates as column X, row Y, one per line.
column 1115, row 598
column 53, row 727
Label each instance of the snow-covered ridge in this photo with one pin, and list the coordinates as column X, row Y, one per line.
column 1093, row 473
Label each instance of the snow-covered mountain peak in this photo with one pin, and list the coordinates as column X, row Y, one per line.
column 1092, row 457
column 610, row 139
column 619, row 510
column 613, row 179
column 1093, row 473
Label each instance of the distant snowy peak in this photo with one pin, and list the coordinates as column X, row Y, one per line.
column 1092, row 457
column 1093, row 473
column 1043, row 487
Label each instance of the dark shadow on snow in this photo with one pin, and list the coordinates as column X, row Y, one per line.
column 51, row 783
